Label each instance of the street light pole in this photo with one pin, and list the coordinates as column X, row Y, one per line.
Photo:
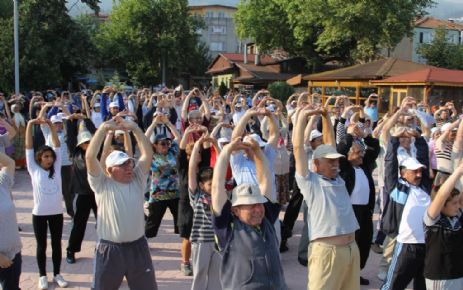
column 16, row 47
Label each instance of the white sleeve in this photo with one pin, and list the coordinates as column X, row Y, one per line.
column 32, row 166
column 305, row 185
column 57, row 163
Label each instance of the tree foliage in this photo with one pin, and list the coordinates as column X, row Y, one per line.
column 441, row 52
column 52, row 47
column 140, row 33
column 280, row 91
column 323, row 30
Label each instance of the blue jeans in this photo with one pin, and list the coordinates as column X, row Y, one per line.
column 9, row 277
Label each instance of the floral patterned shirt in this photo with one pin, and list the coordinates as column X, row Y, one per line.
column 164, row 175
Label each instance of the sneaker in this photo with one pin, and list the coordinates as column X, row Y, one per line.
column 364, row 281
column 283, row 246
column 376, row 248
column 60, row 280
column 185, row 268
column 70, row 257
column 43, row 282
column 303, row 262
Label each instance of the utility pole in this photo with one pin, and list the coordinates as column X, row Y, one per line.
column 16, row 47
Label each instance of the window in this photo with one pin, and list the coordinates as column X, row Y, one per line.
column 209, row 14
column 421, row 37
column 219, row 29
column 216, row 46
column 221, row 14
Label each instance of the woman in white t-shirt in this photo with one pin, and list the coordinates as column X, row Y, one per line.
column 44, row 167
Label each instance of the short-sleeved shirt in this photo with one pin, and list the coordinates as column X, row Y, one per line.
column 164, row 175
column 202, row 231
column 47, row 192
column 444, row 251
column 120, row 206
column 329, row 210
column 411, row 230
column 222, row 223
column 244, row 169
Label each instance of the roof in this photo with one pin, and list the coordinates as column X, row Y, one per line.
column 430, row 22
column 228, row 3
column 233, row 58
column 374, row 70
column 428, row 75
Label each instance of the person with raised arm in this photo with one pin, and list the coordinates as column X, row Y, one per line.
column 330, row 217
column 44, row 166
column 243, row 225
column 122, row 249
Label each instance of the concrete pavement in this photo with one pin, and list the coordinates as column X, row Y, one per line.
column 165, row 252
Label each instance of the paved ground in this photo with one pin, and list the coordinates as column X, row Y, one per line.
column 165, row 252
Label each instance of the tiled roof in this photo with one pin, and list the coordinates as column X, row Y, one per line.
column 239, row 57
column 430, row 22
column 378, row 69
column 230, row 3
column 428, row 75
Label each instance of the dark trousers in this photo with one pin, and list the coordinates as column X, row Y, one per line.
column 364, row 235
column 156, row 213
column 407, row 264
column 292, row 212
column 9, row 277
column 113, row 261
column 68, row 195
column 55, row 224
column 84, row 203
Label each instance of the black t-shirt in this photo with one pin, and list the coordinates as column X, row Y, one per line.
column 444, row 247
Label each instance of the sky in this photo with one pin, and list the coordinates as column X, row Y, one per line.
column 444, row 8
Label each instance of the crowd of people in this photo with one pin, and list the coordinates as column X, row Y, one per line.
column 225, row 167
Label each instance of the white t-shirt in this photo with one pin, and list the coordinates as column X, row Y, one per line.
column 47, row 192
column 97, row 119
column 237, row 116
column 361, row 192
column 120, row 206
column 411, row 229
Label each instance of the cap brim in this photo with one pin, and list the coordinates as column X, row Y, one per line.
column 120, row 162
column 415, row 167
column 333, row 156
column 247, row 200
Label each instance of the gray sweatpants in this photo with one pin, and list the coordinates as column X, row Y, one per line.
column 113, row 261
column 206, row 264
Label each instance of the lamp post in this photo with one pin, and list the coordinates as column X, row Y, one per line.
column 16, row 47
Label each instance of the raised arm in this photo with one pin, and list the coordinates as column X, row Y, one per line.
column 389, row 124
column 444, row 192
column 128, row 144
column 195, row 158
column 241, row 126
column 11, row 131
column 146, row 151
column 28, row 142
column 262, row 171
column 54, row 134
column 93, row 166
column 327, row 130
column 273, row 130
column 186, row 103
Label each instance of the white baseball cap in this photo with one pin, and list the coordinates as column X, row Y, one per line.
column 411, row 163
column 116, row 158
column 247, row 194
column 326, row 151
column 56, row 119
column 256, row 138
column 114, row 105
column 314, row 135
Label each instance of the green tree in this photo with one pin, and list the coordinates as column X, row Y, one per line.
column 280, row 91
column 53, row 48
column 441, row 52
column 141, row 33
column 323, row 30
column 6, row 8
